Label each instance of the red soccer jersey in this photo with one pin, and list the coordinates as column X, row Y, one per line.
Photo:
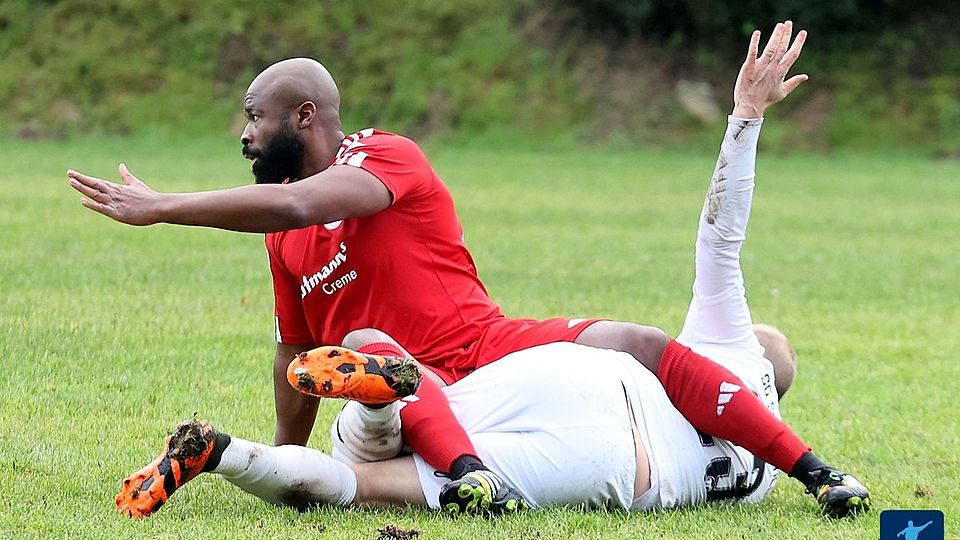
column 404, row 270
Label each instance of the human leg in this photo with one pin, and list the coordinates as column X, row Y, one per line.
column 692, row 382
column 361, row 434
column 393, row 482
column 429, row 427
column 287, row 475
column 428, row 424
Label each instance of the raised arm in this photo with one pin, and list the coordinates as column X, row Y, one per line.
column 338, row 192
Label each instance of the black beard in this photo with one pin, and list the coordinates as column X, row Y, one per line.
column 280, row 160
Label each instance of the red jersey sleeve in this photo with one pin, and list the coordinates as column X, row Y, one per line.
column 290, row 322
column 395, row 160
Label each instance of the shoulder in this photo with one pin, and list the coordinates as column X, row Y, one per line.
column 382, row 143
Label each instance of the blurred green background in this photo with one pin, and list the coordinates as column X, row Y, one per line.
column 628, row 73
column 110, row 334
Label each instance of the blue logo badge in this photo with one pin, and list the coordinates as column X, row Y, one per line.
column 911, row 525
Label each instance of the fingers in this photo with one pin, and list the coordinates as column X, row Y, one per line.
column 752, row 49
column 126, row 176
column 88, row 181
column 791, row 56
column 85, row 189
column 95, row 206
column 785, row 32
column 792, row 83
column 97, row 194
column 91, row 187
column 771, row 48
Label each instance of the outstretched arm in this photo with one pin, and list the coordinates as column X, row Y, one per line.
column 336, row 193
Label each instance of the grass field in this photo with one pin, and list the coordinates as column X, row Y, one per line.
column 110, row 334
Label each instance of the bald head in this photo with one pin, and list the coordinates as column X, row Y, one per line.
column 293, row 120
column 289, row 83
column 780, row 353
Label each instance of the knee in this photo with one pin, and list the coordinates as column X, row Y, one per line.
column 780, row 353
column 356, row 339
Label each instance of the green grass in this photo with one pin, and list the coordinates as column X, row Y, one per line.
column 110, row 334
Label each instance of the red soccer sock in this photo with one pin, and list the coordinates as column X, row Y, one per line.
column 427, row 424
column 381, row 348
column 695, row 384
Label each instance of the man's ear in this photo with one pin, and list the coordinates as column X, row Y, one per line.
column 306, row 114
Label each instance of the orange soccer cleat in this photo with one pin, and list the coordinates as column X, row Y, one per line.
column 183, row 457
column 336, row 372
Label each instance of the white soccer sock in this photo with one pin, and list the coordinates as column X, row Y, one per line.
column 287, row 475
column 363, row 434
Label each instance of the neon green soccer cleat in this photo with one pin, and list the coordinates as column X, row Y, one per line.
column 838, row 493
column 481, row 492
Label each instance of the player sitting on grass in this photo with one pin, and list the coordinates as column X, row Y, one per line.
column 364, row 234
column 606, row 436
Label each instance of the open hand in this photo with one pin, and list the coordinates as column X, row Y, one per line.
column 761, row 80
column 131, row 202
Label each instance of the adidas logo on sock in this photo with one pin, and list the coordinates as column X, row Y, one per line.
column 727, row 390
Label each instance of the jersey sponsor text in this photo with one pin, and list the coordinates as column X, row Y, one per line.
column 309, row 283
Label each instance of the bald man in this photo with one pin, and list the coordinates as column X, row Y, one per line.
column 362, row 233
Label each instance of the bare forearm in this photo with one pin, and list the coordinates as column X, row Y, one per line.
column 296, row 412
column 295, row 419
column 256, row 208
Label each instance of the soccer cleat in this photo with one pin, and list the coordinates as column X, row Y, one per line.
column 838, row 493
column 336, row 372
column 183, row 457
column 481, row 492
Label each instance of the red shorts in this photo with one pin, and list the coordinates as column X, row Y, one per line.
column 504, row 336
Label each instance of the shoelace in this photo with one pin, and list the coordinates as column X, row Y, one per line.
column 824, row 477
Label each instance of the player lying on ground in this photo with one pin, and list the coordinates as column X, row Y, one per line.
column 563, row 423
column 369, row 238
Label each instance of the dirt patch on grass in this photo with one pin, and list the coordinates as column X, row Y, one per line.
column 393, row 532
